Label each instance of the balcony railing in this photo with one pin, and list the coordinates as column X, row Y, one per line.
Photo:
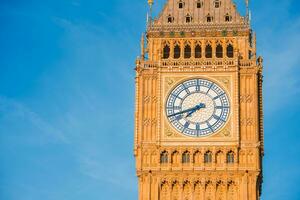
column 198, row 64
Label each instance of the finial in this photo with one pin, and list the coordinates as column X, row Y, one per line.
column 260, row 61
column 143, row 47
column 149, row 17
column 248, row 12
column 150, row 2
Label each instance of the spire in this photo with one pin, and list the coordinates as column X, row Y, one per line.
column 143, row 47
column 248, row 11
column 149, row 16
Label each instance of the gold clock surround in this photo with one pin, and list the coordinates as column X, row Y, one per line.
column 227, row 132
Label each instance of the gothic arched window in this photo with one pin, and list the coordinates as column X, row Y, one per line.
column 208, row 157
column 209, row 18
column 166, row 52
column 177, row 51
column 208, row 51
column 170, row 19
column 180, row 4
column 164, row 157
column 186, row 157
column 175, row 158
column 230, row 51
column 217, row 3
column 219, row 51
column 198, row 51
column 228, row 18
column 188, row 19
column 187, row 51
column 199, row 4
column 230, row 157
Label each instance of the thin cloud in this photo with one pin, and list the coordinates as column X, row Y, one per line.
column 15, row 111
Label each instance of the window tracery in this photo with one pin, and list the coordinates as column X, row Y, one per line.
column 198, row 51
column 219, row 51
column 180, row 4
column 208, row 157
column 164, row 157
column 186, row 157
column 217, row 3
column 208, row 51
column 177, row 51
column 166, row 51
column 187, row 51
column 230, row 51
column 230, row 157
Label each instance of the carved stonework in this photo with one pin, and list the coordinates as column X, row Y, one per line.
column 147, row 99
column 214, row 152
column 247, row 122
column 246, row 98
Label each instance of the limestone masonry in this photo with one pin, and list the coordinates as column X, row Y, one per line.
column 198, row 114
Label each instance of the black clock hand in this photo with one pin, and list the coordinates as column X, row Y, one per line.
column 184, row 111
column 198, row 107
column 190, row 110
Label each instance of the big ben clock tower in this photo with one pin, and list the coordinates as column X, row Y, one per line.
column 198, row 119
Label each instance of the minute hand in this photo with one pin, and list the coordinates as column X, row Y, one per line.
column 184, row 111
column 190, row 110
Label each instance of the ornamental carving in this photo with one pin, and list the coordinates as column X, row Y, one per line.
column 146, row 99
column 146, row 122
column 246, row 98
column 247, row 122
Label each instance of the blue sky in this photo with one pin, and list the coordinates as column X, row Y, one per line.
column 67, row 97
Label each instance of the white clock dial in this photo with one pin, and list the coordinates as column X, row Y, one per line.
column 198, row 107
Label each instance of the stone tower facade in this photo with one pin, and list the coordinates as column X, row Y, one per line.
column 198, row 114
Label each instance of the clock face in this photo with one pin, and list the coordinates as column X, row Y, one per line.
column 198, row 107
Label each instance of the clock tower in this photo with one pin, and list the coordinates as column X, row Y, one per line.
column 198, row 114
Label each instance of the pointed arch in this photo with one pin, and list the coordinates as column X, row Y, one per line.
column 208, row 157
column 228, row 18
column 209, row 190
column 188, row 18
column 166, row 51
column 219, row 51
column 164, row 157
column 164, row 190
column 187, row 190
column 217, row 3
column 198, row 51
column 230, row 51
column 232, row 191
column 170, row 19
column 197, row 158
column 186, row 157
column 177, row 51
column 175, row 190
column 187, row 51
column 230, row 157
column 209, row 18
column 181, row 4
column 208, row 51
column 219, row 157
column 175, row 157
